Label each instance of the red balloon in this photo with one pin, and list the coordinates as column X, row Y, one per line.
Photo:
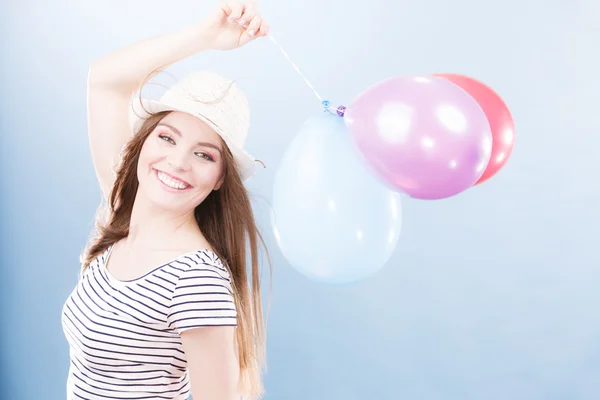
column 498, row 116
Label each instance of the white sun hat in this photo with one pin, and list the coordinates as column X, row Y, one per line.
column 214, row 99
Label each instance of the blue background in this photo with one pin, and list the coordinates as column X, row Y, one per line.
column 492, row 294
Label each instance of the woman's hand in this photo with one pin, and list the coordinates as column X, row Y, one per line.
column 232, row 25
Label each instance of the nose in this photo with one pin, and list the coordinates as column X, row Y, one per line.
column 178, row 160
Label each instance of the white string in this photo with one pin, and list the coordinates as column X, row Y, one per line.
column 296, row 68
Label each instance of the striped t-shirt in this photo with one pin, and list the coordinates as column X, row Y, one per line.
column 124, row 336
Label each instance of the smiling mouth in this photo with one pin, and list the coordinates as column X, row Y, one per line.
column 171, row 181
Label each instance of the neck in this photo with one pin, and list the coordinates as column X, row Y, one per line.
column 151, row 228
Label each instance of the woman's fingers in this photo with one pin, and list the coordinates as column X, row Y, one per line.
column 233, row 11
column 247, row 17
column 254, row 25
column 264, row 28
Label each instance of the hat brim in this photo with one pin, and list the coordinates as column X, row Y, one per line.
column 139, row 111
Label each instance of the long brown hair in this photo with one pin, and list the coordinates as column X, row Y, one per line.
column 226, row 219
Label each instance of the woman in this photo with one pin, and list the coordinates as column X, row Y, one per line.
column 164, row 307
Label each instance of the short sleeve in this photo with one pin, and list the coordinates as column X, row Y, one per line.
column 202, row 297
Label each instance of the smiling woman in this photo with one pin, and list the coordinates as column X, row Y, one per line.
column 165, row 306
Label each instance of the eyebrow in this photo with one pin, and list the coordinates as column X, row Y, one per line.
column 177, row 132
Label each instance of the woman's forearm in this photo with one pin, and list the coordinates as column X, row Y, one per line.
column 127, row 68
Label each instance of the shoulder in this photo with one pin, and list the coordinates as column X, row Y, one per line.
column 203, row 294
column 201, row 263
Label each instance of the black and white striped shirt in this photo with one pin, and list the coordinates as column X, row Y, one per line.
column 124, row 336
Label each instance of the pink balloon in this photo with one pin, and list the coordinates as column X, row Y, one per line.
column 498, row 116
column 422, row 135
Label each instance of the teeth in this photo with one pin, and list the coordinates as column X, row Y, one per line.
column 170, row 182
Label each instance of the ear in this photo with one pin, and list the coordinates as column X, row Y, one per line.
column 219, row 183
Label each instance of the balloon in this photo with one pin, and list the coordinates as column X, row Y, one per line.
column 498, row 116
column 422, row 136
column 333, row 221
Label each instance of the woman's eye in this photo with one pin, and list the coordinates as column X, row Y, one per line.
column 166, row 138
column 205, row 156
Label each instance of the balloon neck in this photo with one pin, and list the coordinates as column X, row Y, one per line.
column 340, row 111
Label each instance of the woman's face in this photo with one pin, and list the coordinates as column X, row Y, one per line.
column 181, row 163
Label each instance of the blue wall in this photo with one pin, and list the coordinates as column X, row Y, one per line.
column 490, row 295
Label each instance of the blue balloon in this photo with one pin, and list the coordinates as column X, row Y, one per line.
column 332, row 219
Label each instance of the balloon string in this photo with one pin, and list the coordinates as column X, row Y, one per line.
column 285, row 54
column 339, row 110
